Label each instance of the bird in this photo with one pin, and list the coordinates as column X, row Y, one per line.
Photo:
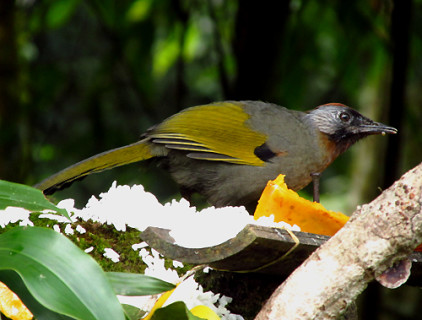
column 227, row 151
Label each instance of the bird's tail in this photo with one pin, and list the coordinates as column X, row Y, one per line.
column 138, row 151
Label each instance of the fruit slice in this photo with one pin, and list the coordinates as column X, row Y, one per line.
column 286, row 205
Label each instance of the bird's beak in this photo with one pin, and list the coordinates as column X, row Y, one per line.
column 375, row 128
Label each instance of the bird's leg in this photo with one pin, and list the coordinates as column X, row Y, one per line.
column 315, row 181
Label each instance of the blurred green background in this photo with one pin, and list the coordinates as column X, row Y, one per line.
column 80, row 77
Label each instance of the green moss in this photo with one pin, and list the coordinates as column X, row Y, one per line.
column 101, row 236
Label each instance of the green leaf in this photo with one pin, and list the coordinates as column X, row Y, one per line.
column 15, row 283
column 166, row 53
column 58, row 274
column 139, row 10
column 174, row 311
column 133, row 313
column 23, row 196
column 134, row 284
column 60, row 12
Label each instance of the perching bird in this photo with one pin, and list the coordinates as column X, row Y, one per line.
column 228, row 151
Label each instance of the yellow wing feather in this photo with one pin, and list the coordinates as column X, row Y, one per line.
column 214, row 132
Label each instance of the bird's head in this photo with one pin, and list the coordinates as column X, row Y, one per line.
column 344, row 126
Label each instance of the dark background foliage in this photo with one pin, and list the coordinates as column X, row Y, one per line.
column 80, row 77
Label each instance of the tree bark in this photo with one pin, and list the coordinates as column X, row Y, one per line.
column 379, row 235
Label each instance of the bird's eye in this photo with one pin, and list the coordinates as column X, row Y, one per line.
column 345, row 117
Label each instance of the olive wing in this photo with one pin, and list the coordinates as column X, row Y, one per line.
column 214, row 132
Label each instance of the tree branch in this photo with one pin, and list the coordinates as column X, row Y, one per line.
column 379, row 234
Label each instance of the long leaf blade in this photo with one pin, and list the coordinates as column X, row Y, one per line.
column 58, row 274
column 175, row 311
column 133, row 284
column 15, row 283
column 23, row 196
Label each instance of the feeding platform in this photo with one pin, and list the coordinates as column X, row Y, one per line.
column 255, row 249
